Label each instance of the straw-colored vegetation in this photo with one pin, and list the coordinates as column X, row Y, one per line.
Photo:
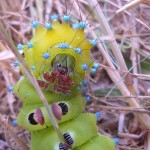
column 120, row 90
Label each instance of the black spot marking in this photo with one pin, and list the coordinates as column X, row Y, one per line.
column 31, row 119
column 64, row 108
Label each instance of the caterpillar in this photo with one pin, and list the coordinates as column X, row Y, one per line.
column 59, row 57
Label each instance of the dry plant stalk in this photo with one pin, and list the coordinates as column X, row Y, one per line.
column 144, row 119
column 32, row 80
column 4, row 121
column 132, row 4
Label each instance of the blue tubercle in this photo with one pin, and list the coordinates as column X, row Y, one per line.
column 93, row 70
column 66, row 18
column 82, row 25
column 35, row 24
column 16, row 63
column 85, row 67
column 98, row 115
column 96, row 65
column 10, row 88
column 84, row 90
column 78, row 50
column 94, row 42
column 63, row 45
column 30, row 44
column 26, row 95
column 46, row 55
column 81, row 84
column 116, row 140
column 54, row 17
column 85, row 83
column 75, row 25
column 20, row 46
column 78, row 88
column 33, row 68
column 88, row 98
column 14, row 123
column 48, row 26
column 20, row 77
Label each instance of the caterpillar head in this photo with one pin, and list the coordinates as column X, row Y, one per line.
column 60, row 49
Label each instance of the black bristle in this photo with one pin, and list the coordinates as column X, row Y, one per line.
column 64, row 108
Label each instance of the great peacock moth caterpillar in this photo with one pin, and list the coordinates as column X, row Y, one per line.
column 59, row 57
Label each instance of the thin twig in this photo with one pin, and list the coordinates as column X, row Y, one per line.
column 33, row 81
column 118, row 80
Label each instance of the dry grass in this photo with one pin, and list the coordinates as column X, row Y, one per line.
column 124, row 115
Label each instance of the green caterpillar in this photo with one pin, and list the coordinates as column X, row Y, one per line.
column 59, row 57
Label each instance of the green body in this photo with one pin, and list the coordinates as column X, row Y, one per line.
column 82, row 129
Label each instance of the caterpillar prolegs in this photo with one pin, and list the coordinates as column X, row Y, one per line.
column 59, row 57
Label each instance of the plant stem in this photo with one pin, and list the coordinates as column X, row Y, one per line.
column 144, row 119
column 33, row 81
column 107, row 31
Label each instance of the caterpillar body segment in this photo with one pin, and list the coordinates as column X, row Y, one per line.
column 28, row 95
column 75, row 107
column 99, row 142
column 82, row 129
